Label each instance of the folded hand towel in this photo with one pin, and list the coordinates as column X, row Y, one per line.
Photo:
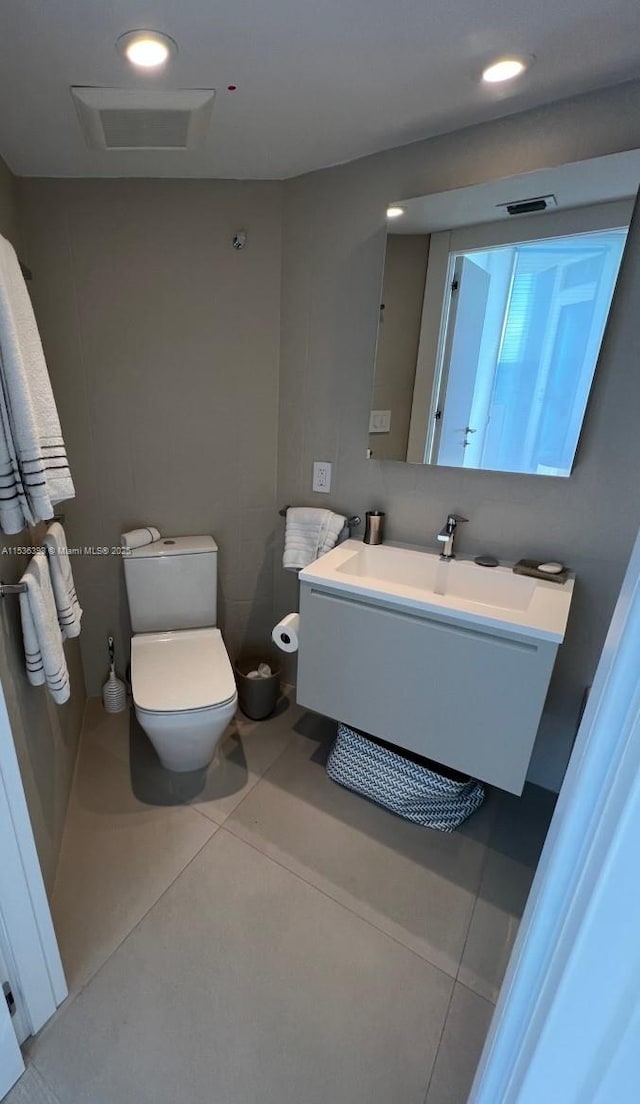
column 43, row 648
column 310, row 533
column 137, row 538
column 34, row 472
column 64, row 591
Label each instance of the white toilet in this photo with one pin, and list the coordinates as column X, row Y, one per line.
column 183, row 687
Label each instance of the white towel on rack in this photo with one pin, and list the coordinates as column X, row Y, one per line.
column 137, row 538
column 44, row 653
column 34, row 472
column 310, row 533
column 64, row 591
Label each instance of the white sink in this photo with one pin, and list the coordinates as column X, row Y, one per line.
column 412, row 577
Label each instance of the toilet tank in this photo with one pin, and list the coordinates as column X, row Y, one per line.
column 172, row 584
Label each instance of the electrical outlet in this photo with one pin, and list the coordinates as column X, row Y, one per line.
column 380, row 421
column 322, row 476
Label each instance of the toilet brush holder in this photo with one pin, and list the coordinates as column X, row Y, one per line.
column 114, row 691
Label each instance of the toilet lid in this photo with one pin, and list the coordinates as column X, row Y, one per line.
column 181, row 670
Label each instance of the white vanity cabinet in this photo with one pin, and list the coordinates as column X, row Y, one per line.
column 464, row 694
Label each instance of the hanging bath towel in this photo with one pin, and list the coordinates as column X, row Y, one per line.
column 43, row 650
column 64, row 591
column 34, row 471
column 310, row 532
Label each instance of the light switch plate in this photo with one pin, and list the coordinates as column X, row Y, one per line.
column 322, row 476
column 380, row 421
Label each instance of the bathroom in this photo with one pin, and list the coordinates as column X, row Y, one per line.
column 274, row 935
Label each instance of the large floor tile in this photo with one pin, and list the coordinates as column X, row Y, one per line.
column 462, row 1041
column 521, row 824
column 31, row 1089
column 118, row 857
column 494, row 925
column 245, row 985
column 247, row 750
column 110, row 731
column 516, row 841
column 416, row 884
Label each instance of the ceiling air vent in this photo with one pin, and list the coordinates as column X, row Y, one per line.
column 144, row 119
column 529, row 206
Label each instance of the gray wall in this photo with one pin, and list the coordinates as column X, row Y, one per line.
column 45, row 735
column 333, row 245
column 163, row 344
column 405, row 270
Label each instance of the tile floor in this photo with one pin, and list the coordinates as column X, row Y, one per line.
column 258, row 934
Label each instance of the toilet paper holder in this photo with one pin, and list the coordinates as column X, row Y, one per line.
column 285, row 633
column 352, row 521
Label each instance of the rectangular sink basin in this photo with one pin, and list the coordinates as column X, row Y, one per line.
column 415, row 578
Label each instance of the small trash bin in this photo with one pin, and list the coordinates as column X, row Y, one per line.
column 257, row 697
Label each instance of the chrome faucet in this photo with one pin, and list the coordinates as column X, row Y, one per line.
column 446, row 535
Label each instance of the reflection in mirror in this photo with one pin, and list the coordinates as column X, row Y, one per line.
column 494, row 304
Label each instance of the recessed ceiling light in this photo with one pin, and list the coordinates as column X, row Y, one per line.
column 505, row 69
column 395, row 212
column 146, row 49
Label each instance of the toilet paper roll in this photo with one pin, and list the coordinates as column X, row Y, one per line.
column 285, row 634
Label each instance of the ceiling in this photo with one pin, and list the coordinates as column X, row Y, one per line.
column 578, row 184
column 317, row 82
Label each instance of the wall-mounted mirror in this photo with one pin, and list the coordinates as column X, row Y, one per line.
column 494, row 304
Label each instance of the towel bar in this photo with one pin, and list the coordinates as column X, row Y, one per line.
column 20, row 588
column 352, row 521
column 12, row 588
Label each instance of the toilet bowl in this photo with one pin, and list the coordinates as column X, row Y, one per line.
column 184, row 693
